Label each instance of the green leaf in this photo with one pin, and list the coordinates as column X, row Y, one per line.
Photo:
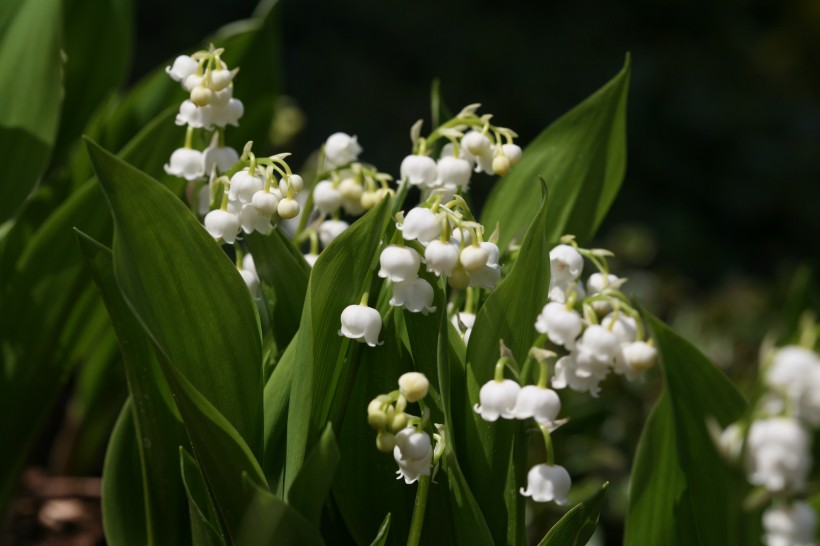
column 384, row 530
column 152, row 408
column 48, row 280
column 682, row 491
column 310, row 489
column 508, row 315
column 123, row 503
column 97, row 44
column 269, row 521
column 281, row 266
column 186, row 293
column 582, row 156
column 204, row 521
column 30, row 77
column 221, row 453
column 577, row 525
column 275, row 399
column 321, row 368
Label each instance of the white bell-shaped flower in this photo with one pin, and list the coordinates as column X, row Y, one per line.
column 597, row 283
column 341, row 149
column 326, row 197
column 223, row 97
column 186, row 163
column 221, row 78
column 473, row 257
column 190, row 114
column 595, row 352
column 413, row 453
column 441, row 257
column 497, row 399
column 465, row 328
column 221, row 224
column 224, row 157
column 454, row 173
column 399, row 263
column 244, row 185
column 183, row 67
column 623, row 326
column 415, row 295
column 419, row 170
column 265, row 203
column 560, row 291
column 778, row 454
column 251, row 280
column 513, row 153
column 311, row 259
column 251, row 220
column 566, row 263
column 562, row 325
column 191, row 82
column 634, row 358
column 476, row 143
column 421, row 224
column 566, row 375
column 789, row 369
column 361, row 323
column 540, row 403
column 249, row 264
column 486, row 277
column 330, row 229
column 228, row 114
column 792, row 524
column 547, row 483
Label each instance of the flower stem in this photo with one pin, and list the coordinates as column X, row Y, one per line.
column 548, row 444
column 417, row 522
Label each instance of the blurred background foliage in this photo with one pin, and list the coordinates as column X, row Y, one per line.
column 717, row 222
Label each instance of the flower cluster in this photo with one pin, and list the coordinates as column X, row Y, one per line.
column 474, row 144
column 594, row 323
column 254, row 197
column 345, row 185
column 507, row 399
column 406, row 435
column 453, row 242
column 210, row 107
column 775, row 442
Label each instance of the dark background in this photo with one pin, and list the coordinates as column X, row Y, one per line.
column 724, row 105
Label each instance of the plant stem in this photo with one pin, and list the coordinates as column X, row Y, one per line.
column 417, row 522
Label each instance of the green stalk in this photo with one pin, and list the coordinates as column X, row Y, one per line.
column 417, row 522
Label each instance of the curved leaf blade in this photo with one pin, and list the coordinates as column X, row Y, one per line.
column 582, row 156
column 577, row 525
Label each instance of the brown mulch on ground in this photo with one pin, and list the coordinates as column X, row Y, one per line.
column 54, row 511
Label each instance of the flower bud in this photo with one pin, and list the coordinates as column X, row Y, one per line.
column 201, row 95
column 513, row 152
column 376, row 415
column 501, row 165
column 350, row 190
column 385, row 441
column 326, row 198
column 413, row 386
column 476, row 143
column 639, row 355
column 369, row 199
column 288, row 208
column 398, row 422
column 459, row 279
column 244, row 185
column 265, row 203
column 191, row 82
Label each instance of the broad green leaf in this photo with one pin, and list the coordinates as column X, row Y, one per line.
column 97, row 38
column 270, row 522
column 48, row 279
column 204, row 522
column 384, row 530
column 577, row 525
column 508, row 314
column 337, row 280
column 220, row 451
column 311, row 487
column 155, row 422
column 682, row 490
column 582, row 156
column 186, row 293
column 275, row 399
column 123, row 503
column 30, row 77
column 282, row 266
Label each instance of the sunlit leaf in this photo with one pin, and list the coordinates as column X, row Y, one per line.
column 582, row 156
